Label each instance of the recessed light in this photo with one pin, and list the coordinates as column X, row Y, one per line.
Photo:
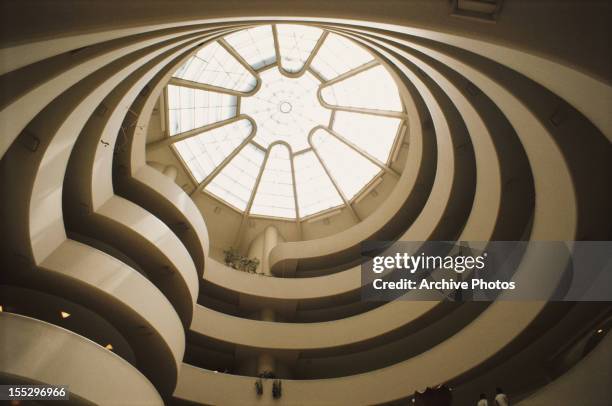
column 600, row 331
column 109, row 347
column 65, row 315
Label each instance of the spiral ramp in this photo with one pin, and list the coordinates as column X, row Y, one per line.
column 508, row 139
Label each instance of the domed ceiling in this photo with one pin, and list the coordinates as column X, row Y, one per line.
column 284, row 121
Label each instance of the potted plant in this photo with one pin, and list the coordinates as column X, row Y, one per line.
column 236, row 260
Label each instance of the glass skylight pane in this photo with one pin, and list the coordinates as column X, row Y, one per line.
column 338, row 55
column 204, row 152
column 371, row 89
column 285, row 109
column 295, row 43
column 274, row 195
column 350, row 170
column 235, row 182
column 373, row 134
column 213, row 65
column 192, row 108
column 315, row 191
column 255, row 45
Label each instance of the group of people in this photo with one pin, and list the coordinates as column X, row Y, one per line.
column 500, row 399
column 441, row 395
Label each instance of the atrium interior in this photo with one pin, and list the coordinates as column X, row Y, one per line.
column 187, row 186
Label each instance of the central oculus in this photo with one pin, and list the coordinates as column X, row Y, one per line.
column 285, row 109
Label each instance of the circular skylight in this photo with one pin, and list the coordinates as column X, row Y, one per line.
column 284, row 120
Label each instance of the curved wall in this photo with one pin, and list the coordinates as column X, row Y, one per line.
column 509, row 139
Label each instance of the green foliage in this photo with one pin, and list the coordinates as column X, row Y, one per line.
column 236, row 260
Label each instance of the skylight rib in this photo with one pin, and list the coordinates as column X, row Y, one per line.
column 304, row 111
column 338, row 55
column 254, row 45
column 274, row 194
column 213, row 65
column 192, row 108
column 234, row 184
column 373, row 134
column 315, row 191
column 296, row 43
column 372, row 89
column 203, row 152
column 350, row 170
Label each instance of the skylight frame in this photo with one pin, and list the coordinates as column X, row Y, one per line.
column 365, row 154
column 275, row 126
column 216, row 126
column 307, row 63
column 385, row 164
column 258, row 193
column 343, row 46
column 336, row 181
column 253, row 188
column 254, row 45
column 385, row 167
column 226, row 110
column 399, row 113
column 225, row 47
column 334, row 199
